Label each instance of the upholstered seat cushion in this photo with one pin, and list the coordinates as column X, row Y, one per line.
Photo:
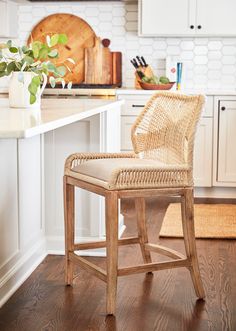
column 128, row 173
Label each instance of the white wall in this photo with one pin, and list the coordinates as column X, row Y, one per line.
column 210, row 62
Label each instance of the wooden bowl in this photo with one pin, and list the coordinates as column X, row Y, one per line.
column 148, row 86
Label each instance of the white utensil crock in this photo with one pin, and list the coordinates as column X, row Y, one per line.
column 19, row 96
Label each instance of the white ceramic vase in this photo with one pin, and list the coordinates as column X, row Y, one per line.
column 19, row 96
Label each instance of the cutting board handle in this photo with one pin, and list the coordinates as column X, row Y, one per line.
column 106, row 42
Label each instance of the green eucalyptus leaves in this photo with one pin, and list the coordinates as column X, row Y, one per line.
column 36, row 58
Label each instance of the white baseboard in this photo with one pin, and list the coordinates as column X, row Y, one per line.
column 24, row 267
column 56, row 244
column 215, row 192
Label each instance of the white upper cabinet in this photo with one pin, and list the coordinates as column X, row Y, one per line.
column 8, row 19
column 166, row 17
column 187, row 17
column 216, row 17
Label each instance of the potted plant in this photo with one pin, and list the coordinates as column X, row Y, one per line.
column 29, row 67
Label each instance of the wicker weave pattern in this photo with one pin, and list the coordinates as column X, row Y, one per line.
column 166, row 127
column 150, row 178
column 164, row 131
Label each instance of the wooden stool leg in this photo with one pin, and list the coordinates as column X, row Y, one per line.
column 189, row 240
column 112, row 250
column 69, row 229
column 142, row 229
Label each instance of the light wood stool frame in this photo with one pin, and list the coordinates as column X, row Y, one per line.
column 112, row 242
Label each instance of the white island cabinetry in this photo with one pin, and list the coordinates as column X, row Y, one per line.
column 33, row 147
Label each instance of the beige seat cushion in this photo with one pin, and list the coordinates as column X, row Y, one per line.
column 126, row 173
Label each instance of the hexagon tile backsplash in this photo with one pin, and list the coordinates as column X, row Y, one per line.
column 209, row 62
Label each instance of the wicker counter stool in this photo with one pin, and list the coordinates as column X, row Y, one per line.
column 161, row 165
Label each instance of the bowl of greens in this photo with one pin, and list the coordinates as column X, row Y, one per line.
column 156, row 83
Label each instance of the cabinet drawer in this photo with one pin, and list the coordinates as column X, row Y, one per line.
column 134, row 104
column 126, row 124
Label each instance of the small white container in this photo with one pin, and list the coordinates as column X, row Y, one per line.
column 19, row 96
column 171, row 69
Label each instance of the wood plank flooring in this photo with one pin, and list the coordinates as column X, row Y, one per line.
column 162, row 302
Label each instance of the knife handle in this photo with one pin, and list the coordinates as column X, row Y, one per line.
column 134, row 64
column 139, row 61
column 145, row 63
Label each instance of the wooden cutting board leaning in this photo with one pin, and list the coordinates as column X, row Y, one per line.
column 95, row 63
column 101, row 65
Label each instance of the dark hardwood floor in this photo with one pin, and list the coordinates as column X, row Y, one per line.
column 162, row 302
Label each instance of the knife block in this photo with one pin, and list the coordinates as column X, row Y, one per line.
column 147, row 71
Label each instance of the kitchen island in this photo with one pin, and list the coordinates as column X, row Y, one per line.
column 33, row 147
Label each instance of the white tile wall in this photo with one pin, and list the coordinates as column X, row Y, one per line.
column 209, row 62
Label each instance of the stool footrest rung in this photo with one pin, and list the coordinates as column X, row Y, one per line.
column 90, row 267
column 148, row 267
column 164, row 251
column 101, row 244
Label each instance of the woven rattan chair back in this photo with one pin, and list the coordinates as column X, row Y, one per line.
column 165, row 129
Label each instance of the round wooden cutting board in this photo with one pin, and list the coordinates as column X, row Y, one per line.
column 80, row 35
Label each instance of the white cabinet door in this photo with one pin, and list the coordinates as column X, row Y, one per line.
column 226, row 158
column 3, row 19
column 202, row 161
column 9, row 221
column 187, row 18
column 166, row 17
column 8, row 19
column 216, row 17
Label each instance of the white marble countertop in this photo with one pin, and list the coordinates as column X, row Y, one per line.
column 128, row 90
column 54, row 113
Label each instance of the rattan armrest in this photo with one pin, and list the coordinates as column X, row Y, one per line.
column 75, row 159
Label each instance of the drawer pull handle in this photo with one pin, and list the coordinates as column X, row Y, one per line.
column 223, row 108
column 138, row 106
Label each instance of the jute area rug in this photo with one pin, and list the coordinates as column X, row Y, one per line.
column 211, row 221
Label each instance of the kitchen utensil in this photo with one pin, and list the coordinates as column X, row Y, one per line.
column 148, row 86
column 107, row 65
column 134, row 64
column 140, row 73
column 139, row 61
column 102, row 67
column 117, row 68
column 144, row 62
column 80, row 35
column 93, row 63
